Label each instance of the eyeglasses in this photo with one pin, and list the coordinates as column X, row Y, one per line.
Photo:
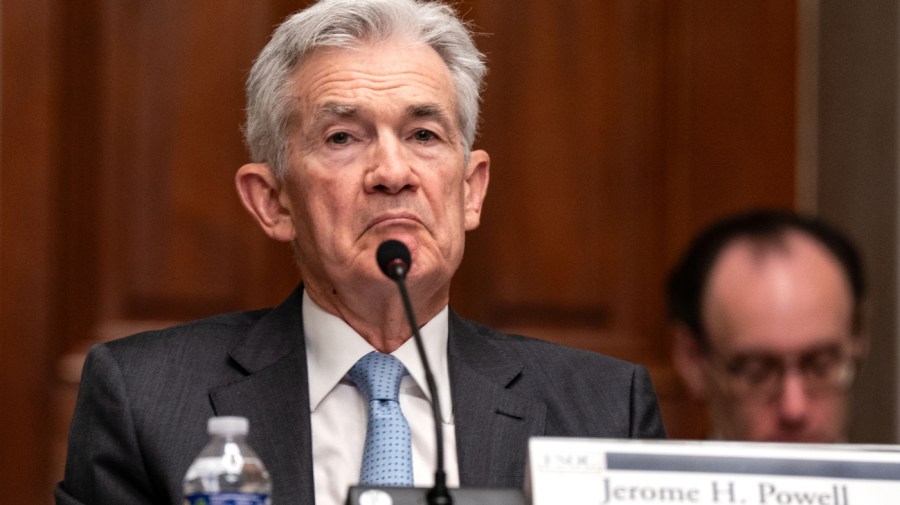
column 760, row 376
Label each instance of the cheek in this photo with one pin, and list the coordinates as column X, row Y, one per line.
column 444, row 199
column 456, row 200
column 754, row 421
column 755, row 414
column 829, row 410
column 750, row 416
column 316, row 211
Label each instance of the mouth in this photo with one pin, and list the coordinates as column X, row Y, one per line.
column 400, row 221
column 395, row 219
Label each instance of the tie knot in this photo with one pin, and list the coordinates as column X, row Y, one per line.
column 378, row 375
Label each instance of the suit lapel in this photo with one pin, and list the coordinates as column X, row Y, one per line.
column 493, row 424
column 275, row 397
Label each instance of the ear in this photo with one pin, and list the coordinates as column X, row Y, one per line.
column 476, row 184
column 689, row 361
column 260, row 192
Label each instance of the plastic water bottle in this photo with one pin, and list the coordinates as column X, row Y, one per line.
column 227, row 471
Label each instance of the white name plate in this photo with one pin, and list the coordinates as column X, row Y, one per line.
column 578, row 471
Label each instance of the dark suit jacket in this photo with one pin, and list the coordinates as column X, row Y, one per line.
column 144, row 401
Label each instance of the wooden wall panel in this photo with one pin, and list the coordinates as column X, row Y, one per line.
column 27, row 247
column 729, row 123
column 572, row 114
column 730, row 109
column 616, row 130
column 175, row 73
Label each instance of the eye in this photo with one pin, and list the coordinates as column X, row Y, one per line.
column 423, row 135
column 340, row 138
column 821, row 363
column 755, row 370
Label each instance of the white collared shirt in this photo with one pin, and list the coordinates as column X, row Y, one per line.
column 339, row 411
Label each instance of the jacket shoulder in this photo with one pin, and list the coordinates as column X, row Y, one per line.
column 218, row 329
column 549, row 354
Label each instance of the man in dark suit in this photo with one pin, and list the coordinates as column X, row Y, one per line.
column 361, row 120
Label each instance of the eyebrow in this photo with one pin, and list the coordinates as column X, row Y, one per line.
column 343, row 110
column 433, row 111
column 321, row 117
column 331, row 109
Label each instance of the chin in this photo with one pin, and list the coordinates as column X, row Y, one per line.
column 801, row 438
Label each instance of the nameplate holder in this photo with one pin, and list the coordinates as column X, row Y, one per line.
column 578, row 471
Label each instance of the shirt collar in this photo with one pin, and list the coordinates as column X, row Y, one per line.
column 333, row 347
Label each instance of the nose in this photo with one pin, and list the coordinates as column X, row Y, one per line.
column 794, row 402
column 390, row 170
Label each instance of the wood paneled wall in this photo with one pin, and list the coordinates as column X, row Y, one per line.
column 28, row 247
column 616, row 130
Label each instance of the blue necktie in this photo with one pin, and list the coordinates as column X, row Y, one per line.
column 387, row 457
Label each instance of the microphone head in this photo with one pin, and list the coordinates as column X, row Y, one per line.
column 394, row 259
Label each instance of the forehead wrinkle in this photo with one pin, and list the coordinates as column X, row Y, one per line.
column 756, row 352
column 331, row 110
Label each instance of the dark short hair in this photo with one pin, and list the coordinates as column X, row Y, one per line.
column 687, row 281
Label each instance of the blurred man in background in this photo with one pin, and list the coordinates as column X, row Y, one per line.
column 766, row 310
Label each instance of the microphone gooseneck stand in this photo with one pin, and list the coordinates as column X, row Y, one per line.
column 394, row 259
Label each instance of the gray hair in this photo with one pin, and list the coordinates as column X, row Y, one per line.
column 345, row 23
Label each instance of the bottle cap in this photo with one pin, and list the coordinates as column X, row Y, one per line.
column 227, row 425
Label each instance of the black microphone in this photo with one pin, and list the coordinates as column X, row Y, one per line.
column 395, row 261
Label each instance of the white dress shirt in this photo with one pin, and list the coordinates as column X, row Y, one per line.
column 339, row 412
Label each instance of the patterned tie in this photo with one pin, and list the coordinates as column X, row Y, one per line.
column 387, row 457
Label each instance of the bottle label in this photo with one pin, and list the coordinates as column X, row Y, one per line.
column 228, row 499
